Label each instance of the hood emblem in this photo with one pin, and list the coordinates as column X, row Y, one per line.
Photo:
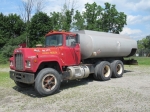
column 36, row 50
column 43, row 50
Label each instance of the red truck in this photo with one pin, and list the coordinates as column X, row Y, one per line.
column 70, row 56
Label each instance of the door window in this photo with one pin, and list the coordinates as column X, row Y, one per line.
column 70, row 41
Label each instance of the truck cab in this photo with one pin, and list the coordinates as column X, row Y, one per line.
column 61, row 50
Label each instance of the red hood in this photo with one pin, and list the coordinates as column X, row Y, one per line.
column 31, row 52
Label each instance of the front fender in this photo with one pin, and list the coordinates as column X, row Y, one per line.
column 42, row 59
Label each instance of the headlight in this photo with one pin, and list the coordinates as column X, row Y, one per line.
column 11, row 63
column 28, row 64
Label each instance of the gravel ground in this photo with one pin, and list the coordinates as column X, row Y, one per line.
column 131, row 93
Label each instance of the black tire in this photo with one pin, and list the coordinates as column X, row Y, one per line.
column 22, row 85
column 117, row 69
column 103, row 71
column 95, row 76
column 47, row 82
column 96, row 70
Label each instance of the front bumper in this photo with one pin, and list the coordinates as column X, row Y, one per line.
column 27, row 78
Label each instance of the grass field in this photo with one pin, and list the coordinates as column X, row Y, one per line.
column 5, row 80
column 141, row 60
column 4, row 65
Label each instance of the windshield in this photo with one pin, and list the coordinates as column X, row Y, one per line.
column 54, row 40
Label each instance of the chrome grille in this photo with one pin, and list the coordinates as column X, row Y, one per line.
column 19, row 61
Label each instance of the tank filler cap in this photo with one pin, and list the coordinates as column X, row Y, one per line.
column 94, row 54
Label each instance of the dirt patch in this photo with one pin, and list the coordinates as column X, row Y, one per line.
column 4, row 69
column 129, row 93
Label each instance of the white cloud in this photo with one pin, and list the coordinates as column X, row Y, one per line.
column 142, row 5
column 138, row 19
column 129, row 31
column 52, row 9
column 133, row 19
column 132, row 5
column 135, row 34
column 126, row 6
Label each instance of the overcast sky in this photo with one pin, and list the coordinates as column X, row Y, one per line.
column 137, row 11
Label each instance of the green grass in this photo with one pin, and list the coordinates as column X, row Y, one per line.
column 4, row 65
column 3, row 76
column 5, row 80
column 141, row 60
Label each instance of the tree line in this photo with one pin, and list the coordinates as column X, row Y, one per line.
column 144, row 46
column 15, row 30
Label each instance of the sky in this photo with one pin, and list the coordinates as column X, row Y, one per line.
column 137, row 11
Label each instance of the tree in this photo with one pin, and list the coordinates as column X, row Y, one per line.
column 3, row 30
column 27, row 9
column 112, row 20
column 93, row 11
column 39, row 5
column 140, row 44
column 78, row 21
column 66, row 20
column 144, row 46
column 144, row 43
column 56, row 20
column 8, row 48
column 90, row 19
column 28, row 6
column 147, row 45
column 39, row 26
column 8, row 51
column 11, row 26
column 15, row 26
column 63, row 19
column 96, row 18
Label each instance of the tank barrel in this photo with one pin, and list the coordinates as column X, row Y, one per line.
column 96, row 44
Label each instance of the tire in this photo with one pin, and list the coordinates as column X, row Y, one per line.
column 95, row 76
column 117, row 69
column 47, row 82
column 22, row 85
column 103, row 71
column 96, row 70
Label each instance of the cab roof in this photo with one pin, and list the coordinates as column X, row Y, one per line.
column 59, row 32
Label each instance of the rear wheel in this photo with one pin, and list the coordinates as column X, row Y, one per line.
column 22, row 85
column 103, row 71
column 47, row 82
column 117, row 69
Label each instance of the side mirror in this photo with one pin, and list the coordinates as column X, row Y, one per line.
column 77, row 38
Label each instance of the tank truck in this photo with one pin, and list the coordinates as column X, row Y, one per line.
column 71, row 56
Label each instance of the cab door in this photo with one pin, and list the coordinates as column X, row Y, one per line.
column 72, row 51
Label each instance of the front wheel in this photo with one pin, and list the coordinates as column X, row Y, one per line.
column 47, row 82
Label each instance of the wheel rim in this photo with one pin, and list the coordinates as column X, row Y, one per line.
column 119, row 69
column 49, row 82
column 106, row 71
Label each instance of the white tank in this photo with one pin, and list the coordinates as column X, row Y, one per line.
column 99, row 44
